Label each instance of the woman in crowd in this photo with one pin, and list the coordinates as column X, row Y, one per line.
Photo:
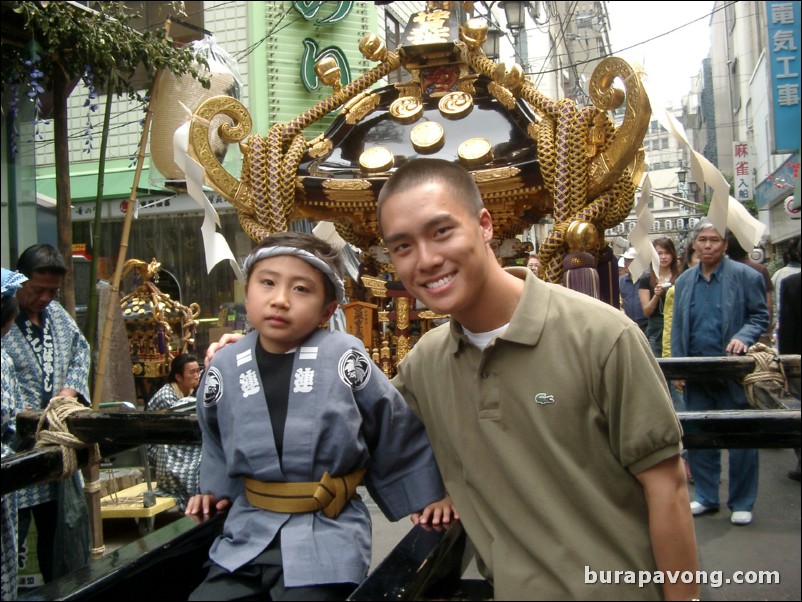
column 652, row 290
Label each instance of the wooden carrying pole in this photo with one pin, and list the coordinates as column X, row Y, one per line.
column 92, row 471
column 114, row 299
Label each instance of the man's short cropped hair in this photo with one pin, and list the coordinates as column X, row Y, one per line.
column 178, row 364
column 421, row 171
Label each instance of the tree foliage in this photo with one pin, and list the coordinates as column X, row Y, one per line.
column 71, row 39
column 48, row 46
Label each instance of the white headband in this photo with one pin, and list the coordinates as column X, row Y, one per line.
column 265, row 252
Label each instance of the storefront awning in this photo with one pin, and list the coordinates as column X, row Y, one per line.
column 83, row 185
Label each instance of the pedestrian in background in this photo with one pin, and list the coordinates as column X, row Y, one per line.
column 652, row 289
column 630, row 296
column 177, row 466
column 533, row 263
column 719, row 309
column 792, row 266
column 736, row 252
column 789, row 335
column 689, row 259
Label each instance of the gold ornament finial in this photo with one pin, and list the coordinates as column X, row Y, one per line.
column 582, row 236
column 474, row 33
column 328, row 71
column 372, row 48
column 510, row 75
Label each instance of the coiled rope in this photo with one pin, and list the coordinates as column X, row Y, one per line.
column 768, row 375
column 52, row 430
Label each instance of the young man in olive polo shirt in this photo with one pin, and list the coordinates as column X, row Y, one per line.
column 550, row 420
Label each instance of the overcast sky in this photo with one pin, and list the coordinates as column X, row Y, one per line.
column 670, row 60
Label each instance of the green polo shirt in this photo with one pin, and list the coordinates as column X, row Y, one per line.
column 538, row 438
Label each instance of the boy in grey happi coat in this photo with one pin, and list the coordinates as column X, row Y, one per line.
column 292, row 418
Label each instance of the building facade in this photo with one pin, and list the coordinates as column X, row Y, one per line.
column 273, row 47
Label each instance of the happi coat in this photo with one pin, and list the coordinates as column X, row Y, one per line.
column 44, row 367
column 177, row 466
column 343, row 414
column 8, row 505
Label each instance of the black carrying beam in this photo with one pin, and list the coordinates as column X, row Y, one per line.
column 121, row 428
column 730, row 366
column 36, row 466
column 741, row 429
column 164, row 565
column 425, row 565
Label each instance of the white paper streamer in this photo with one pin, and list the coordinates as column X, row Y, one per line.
column 214, row 243
column 639, row 236
column 725, row 211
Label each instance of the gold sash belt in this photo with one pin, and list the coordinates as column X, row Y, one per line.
column 330, row 495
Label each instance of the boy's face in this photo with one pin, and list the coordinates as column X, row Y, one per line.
column 438, row 246
column 284, row 300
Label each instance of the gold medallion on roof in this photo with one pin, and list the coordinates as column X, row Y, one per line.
column 455, row 105
column 475, row 151
column 406, row 109
column 427, row 137
column 376, row 158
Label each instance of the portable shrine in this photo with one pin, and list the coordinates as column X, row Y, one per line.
column 159, row 327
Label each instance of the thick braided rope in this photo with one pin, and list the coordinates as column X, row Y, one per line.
column 563, row 191
column 260, row 178
column 292, row 159
column 604, row 209
column 252, row 228
column 52, row 430
column 272, row 171
column 768, row 369
column 246, row 214
column 273, row 205
column 546, row 153
column 580, row 124
column 564, row 169
column 324, row 107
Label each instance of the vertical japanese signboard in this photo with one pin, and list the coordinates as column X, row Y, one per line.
column 742, row 161
column 784, row 58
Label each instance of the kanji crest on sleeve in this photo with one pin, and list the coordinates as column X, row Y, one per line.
column 354, row 369
column 214, row 387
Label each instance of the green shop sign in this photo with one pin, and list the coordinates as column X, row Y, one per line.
column 312, row 52
column 310, row 9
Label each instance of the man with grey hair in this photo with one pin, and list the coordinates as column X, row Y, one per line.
column 719, row 309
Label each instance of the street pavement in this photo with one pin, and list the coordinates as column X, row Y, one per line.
column 771, row 543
